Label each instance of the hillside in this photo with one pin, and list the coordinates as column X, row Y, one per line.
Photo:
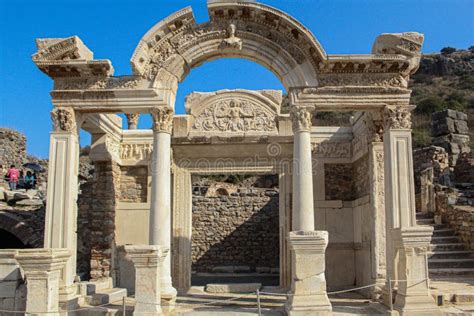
column 444, row 80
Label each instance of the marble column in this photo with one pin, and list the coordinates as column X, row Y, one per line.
column 308, row 282
column 147, row 260
column 132, row 120
column 303, row 207
column 42, row 269
column 61, row 209
column 160, row 205
column 407, row 243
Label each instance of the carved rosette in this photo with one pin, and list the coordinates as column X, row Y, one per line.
column 162, row 119
column 64, row 120
column 301, row 118
column 398, row 117
column 132, row 120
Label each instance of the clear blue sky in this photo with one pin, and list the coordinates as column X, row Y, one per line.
column 112, row 29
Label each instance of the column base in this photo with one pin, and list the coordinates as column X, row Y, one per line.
column 308, row 284
column 168, row 299
column 413, row 293
column 147, row 260
column 68, row 297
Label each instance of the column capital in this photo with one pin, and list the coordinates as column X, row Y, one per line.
column 162, row 119
column 397, row 117
column 301, row 118
column 64, row 119
column 132, row 120
column 38, row 261
column 147, row 255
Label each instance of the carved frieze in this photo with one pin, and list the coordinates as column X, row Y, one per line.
column 113, row 146
column 235, row 115
column 64, row 119
column 162, row 118
column 61, row 49
column 136, row 151
column 97, row 83
column 301, row 119
column 332, row 149
column 366, row 79
column 397, row 117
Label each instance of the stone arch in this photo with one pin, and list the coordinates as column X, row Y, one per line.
column 252, row 31
column 20, row 229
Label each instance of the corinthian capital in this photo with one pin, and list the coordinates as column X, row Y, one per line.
column 397, row 117
column 162, row 119
column 64, row 119
column 301, row 118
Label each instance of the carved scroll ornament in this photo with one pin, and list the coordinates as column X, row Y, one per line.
column 397, row 117
column 162, row 119
column 301, row 118
column 63, row 119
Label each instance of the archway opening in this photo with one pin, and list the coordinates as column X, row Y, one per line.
column 10, row 241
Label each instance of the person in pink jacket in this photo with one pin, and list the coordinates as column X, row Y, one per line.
column 13, row 176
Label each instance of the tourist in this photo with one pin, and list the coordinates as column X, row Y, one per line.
column 13, row 175
column 30, row 180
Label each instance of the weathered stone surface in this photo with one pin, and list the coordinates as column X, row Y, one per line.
column 12, row 149
column 236, row 230
column 233, row 288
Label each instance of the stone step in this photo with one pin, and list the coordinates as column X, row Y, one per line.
column 447, row 246
column 450, row 263
column 425, row 221
column 443, row 232
column 451, row 271
column 444, row 239
column 424, row 215
column 233, row 288
column 114, row 295
column 452, row 254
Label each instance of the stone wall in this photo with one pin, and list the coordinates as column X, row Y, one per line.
column 431, row 157
column 338, row 181
column 133, row 184
column 96, row 221
column 240, row 229
column 12, row 148
column 450, row 130
column 347, row 182
column 458, row 217
column 464, row 170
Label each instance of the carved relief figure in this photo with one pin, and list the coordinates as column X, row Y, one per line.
column 231, row 41
column 63, row 119
column 235, row 116
column 136, row 151
column 329, row 149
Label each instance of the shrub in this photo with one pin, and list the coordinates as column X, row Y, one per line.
column 448, row 50
column 430, row 105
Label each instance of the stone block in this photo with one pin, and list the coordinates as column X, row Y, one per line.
column 233, row 288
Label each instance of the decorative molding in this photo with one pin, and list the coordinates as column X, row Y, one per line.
column 398, row 117
column 162, row 119
column 235, row 115
column 362, row 79
column 64, row 119
column 301, row 119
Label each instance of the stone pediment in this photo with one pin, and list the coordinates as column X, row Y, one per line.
column 234, row 112
column 68, row 57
